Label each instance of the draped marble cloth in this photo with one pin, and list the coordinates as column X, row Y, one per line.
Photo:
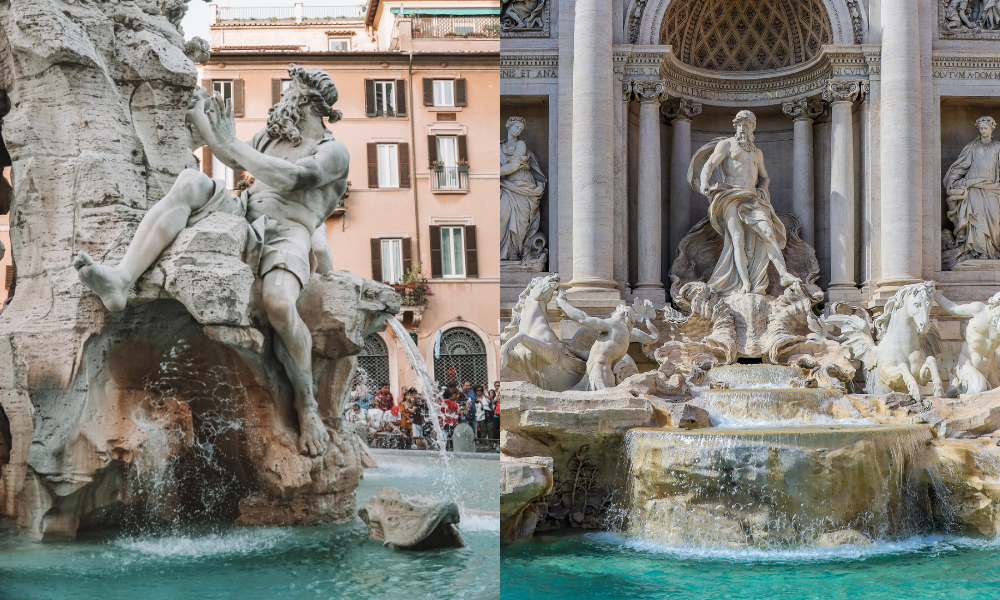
column 976, row 211
column 520, row 194
column 754, row 206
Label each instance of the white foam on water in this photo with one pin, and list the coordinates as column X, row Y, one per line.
column 396, row 469
column 479, row 523
column 240, row 542
column 918, row 544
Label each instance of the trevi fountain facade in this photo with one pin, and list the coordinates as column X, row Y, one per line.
column 752, row 288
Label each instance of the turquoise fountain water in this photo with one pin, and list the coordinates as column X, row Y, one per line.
column 331, row 561
column 792, row 495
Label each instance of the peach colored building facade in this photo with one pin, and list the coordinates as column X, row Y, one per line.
column 420, row 97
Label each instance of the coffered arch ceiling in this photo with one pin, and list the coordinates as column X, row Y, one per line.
column 745, row 35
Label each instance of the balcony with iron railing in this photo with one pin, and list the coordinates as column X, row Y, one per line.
column 450, row 179
column 456, row 26
column 298, row 13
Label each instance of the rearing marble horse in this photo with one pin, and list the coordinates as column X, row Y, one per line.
column 905, row 356
column 531, row 347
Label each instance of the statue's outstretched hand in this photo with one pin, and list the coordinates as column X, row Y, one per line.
column 220, row 118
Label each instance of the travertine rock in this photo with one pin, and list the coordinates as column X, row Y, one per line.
column 522, row 482
column 676, row 414
column 409, row 523
column 965, row 477
column 964, row 417
column 105, row 409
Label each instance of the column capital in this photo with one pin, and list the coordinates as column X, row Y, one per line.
column 806, row 109
column 626, row 90
column 682, row 109
column 650, row 91
column 841, row 91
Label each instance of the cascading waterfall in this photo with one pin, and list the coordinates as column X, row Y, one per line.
column 775, row 477
column 191, row 418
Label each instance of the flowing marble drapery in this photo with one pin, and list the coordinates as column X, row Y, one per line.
column 973, row 184
column 520, row 194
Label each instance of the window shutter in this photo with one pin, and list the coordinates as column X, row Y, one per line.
column 376, row 259
column 373, row 165
column 238, row 98
column 463, row 148
column 471, row 255
column 369, row 97
column 403, row 153
column 432, row 150
column 428, row 92
column 206, row 160
column 436, row 270
column 407, row 254
column 207, row 84
column 9, row 279
column 400, row 97
column 275, row 91
column 460, row 93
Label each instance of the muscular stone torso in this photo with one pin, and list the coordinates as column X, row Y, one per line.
column 740, row 167
column 309, row 207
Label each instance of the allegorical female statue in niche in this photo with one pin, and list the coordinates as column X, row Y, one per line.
column 973, row 186
column 522, row 184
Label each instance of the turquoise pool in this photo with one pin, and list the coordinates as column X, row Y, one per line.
column 577, row 566
column 334, row 561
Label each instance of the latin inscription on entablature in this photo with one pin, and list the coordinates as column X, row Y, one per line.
column 529, row 74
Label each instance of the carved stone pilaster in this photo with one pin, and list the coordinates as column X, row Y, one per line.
column 841, row 91
column 650, row 91
column 806, row 108
column 682, row 108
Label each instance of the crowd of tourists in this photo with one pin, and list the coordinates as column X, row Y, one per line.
column 404, row 420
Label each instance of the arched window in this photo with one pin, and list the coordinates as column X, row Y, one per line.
column 374, row 360
column 462, row 358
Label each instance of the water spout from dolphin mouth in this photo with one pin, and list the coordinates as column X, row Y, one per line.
column 432, row 394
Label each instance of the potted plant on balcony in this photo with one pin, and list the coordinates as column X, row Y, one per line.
column 463, row 165
column 415, row 288
column 437, row 165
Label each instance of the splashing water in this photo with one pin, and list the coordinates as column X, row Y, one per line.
column 432, row 395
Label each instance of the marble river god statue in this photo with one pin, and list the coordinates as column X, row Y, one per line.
column 731, row 173
column 301, row 174
column 522, row 184
column 973, row 187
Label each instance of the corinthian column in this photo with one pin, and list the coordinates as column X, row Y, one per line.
column 681, row 113
column 621, row 186
column 649, row 94
column 841, row 96
column 803, row 113
column 900, row 146
column 593, row 148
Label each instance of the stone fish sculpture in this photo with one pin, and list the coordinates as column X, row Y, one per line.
column 411, row 523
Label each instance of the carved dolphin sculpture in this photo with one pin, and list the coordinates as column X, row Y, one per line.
column 411, row 523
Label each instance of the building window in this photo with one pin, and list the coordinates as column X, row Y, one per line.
column 225, row 88
column 285, row 84
column 385, row 95
column 392, row 261
column 452, row 252
column 388, row 166
column 444, row 92
column 223, row 172
column 373, row 363
column 447, row 151
column 340, row 44
column 460, row 356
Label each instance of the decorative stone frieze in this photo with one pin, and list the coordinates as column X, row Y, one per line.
column 524, row 18
column 969, row 19
column 529, row 65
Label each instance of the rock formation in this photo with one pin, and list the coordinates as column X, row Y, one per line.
column 109, row 412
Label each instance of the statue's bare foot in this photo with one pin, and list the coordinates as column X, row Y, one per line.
column 313, row 437
column 788, row 279
column 111, row 287
column 745, row 289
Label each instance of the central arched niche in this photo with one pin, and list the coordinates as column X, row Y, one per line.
column 745, row 35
